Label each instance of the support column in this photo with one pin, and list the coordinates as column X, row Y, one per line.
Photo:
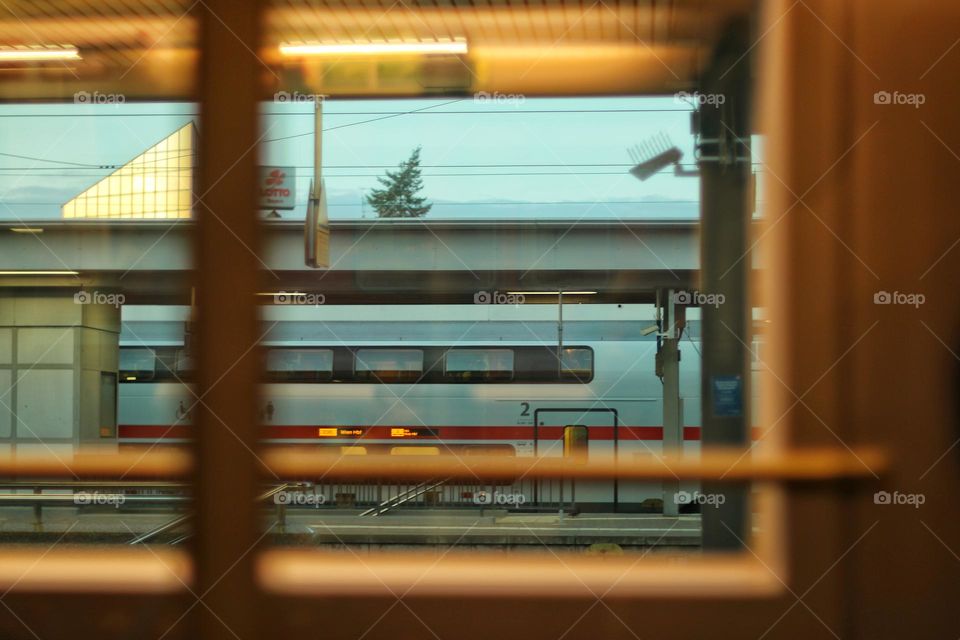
column 669, row 365
column 725, row 211
column 59, row 354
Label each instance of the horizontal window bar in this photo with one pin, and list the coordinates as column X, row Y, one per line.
column 298, row 573
column 798, row 465
column 105, row 570
column 129, row 465
column 809, row 464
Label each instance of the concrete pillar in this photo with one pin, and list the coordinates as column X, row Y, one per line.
column 58, row 371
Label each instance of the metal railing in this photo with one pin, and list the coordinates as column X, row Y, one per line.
column 178, row 522
column 404, row 497
column 373, row 497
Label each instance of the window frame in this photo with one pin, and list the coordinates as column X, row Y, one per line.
column 530, row 593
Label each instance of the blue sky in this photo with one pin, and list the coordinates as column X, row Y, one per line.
column 361, row 137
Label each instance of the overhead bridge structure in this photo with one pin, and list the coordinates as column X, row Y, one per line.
column 381, row 260
column 63, row 285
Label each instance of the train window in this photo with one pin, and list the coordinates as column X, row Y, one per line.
column 478, row 365
column 299, row 365
column 388, row 365
column 137, row 364
column 576, row 364
column 541, row 364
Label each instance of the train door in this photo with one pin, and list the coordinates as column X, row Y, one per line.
column 602, row 435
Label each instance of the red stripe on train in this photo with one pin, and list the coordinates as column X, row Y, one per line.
column 307, row 432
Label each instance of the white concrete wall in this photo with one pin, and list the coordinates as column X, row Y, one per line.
column 53, row 351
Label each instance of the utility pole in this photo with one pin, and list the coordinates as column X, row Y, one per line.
column 316, row 228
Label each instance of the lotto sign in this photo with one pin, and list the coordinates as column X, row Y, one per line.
column 277, row 187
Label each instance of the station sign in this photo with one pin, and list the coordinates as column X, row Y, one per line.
column 339, row 432
column 412, row 432
column 277, row 187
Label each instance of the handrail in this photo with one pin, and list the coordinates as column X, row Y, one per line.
column 168, row 526
column 401, row 498
column 181, row 520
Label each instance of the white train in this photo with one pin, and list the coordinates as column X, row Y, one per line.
column 430, row 380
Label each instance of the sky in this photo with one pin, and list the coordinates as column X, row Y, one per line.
column 363, row 138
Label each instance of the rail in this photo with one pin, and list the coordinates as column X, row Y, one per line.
column 402, row 498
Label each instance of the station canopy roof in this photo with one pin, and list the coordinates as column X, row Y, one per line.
column 148, row 49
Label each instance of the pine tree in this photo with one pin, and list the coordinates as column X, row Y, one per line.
column 398, row 198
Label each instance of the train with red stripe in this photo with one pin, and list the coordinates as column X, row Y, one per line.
column 429, row 379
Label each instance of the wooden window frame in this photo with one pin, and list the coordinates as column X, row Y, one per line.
column 229, row 588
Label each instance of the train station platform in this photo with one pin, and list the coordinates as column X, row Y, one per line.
column 338, row 528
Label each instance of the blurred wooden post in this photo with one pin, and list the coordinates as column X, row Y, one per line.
column 227, row 523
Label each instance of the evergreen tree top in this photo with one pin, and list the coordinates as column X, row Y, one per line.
column 399, row 196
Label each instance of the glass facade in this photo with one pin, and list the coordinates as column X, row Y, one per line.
column 158, row 184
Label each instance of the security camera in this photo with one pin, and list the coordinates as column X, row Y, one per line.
column 655, row 155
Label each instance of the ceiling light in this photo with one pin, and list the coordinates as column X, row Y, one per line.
column 551, row 293
column 367, row 48
column 26, row 229
column 39, row 273
column 27, row 54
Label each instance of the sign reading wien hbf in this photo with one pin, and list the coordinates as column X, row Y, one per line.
column 277, row 187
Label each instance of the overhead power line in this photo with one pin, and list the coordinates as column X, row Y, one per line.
column 66, row 162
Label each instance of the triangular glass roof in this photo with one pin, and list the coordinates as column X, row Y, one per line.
column 158, row 183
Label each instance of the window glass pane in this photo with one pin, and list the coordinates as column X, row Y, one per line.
column 94, row 334
column 137, row 364
column 479, row 364
column 184, row 362
column 389, row 365
column 304, row 365
column 96, row 360
column 507, row 277
column 577, row 363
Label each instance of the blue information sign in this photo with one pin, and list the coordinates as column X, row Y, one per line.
column 727, row 396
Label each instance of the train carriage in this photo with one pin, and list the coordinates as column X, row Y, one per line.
column 431, row 380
